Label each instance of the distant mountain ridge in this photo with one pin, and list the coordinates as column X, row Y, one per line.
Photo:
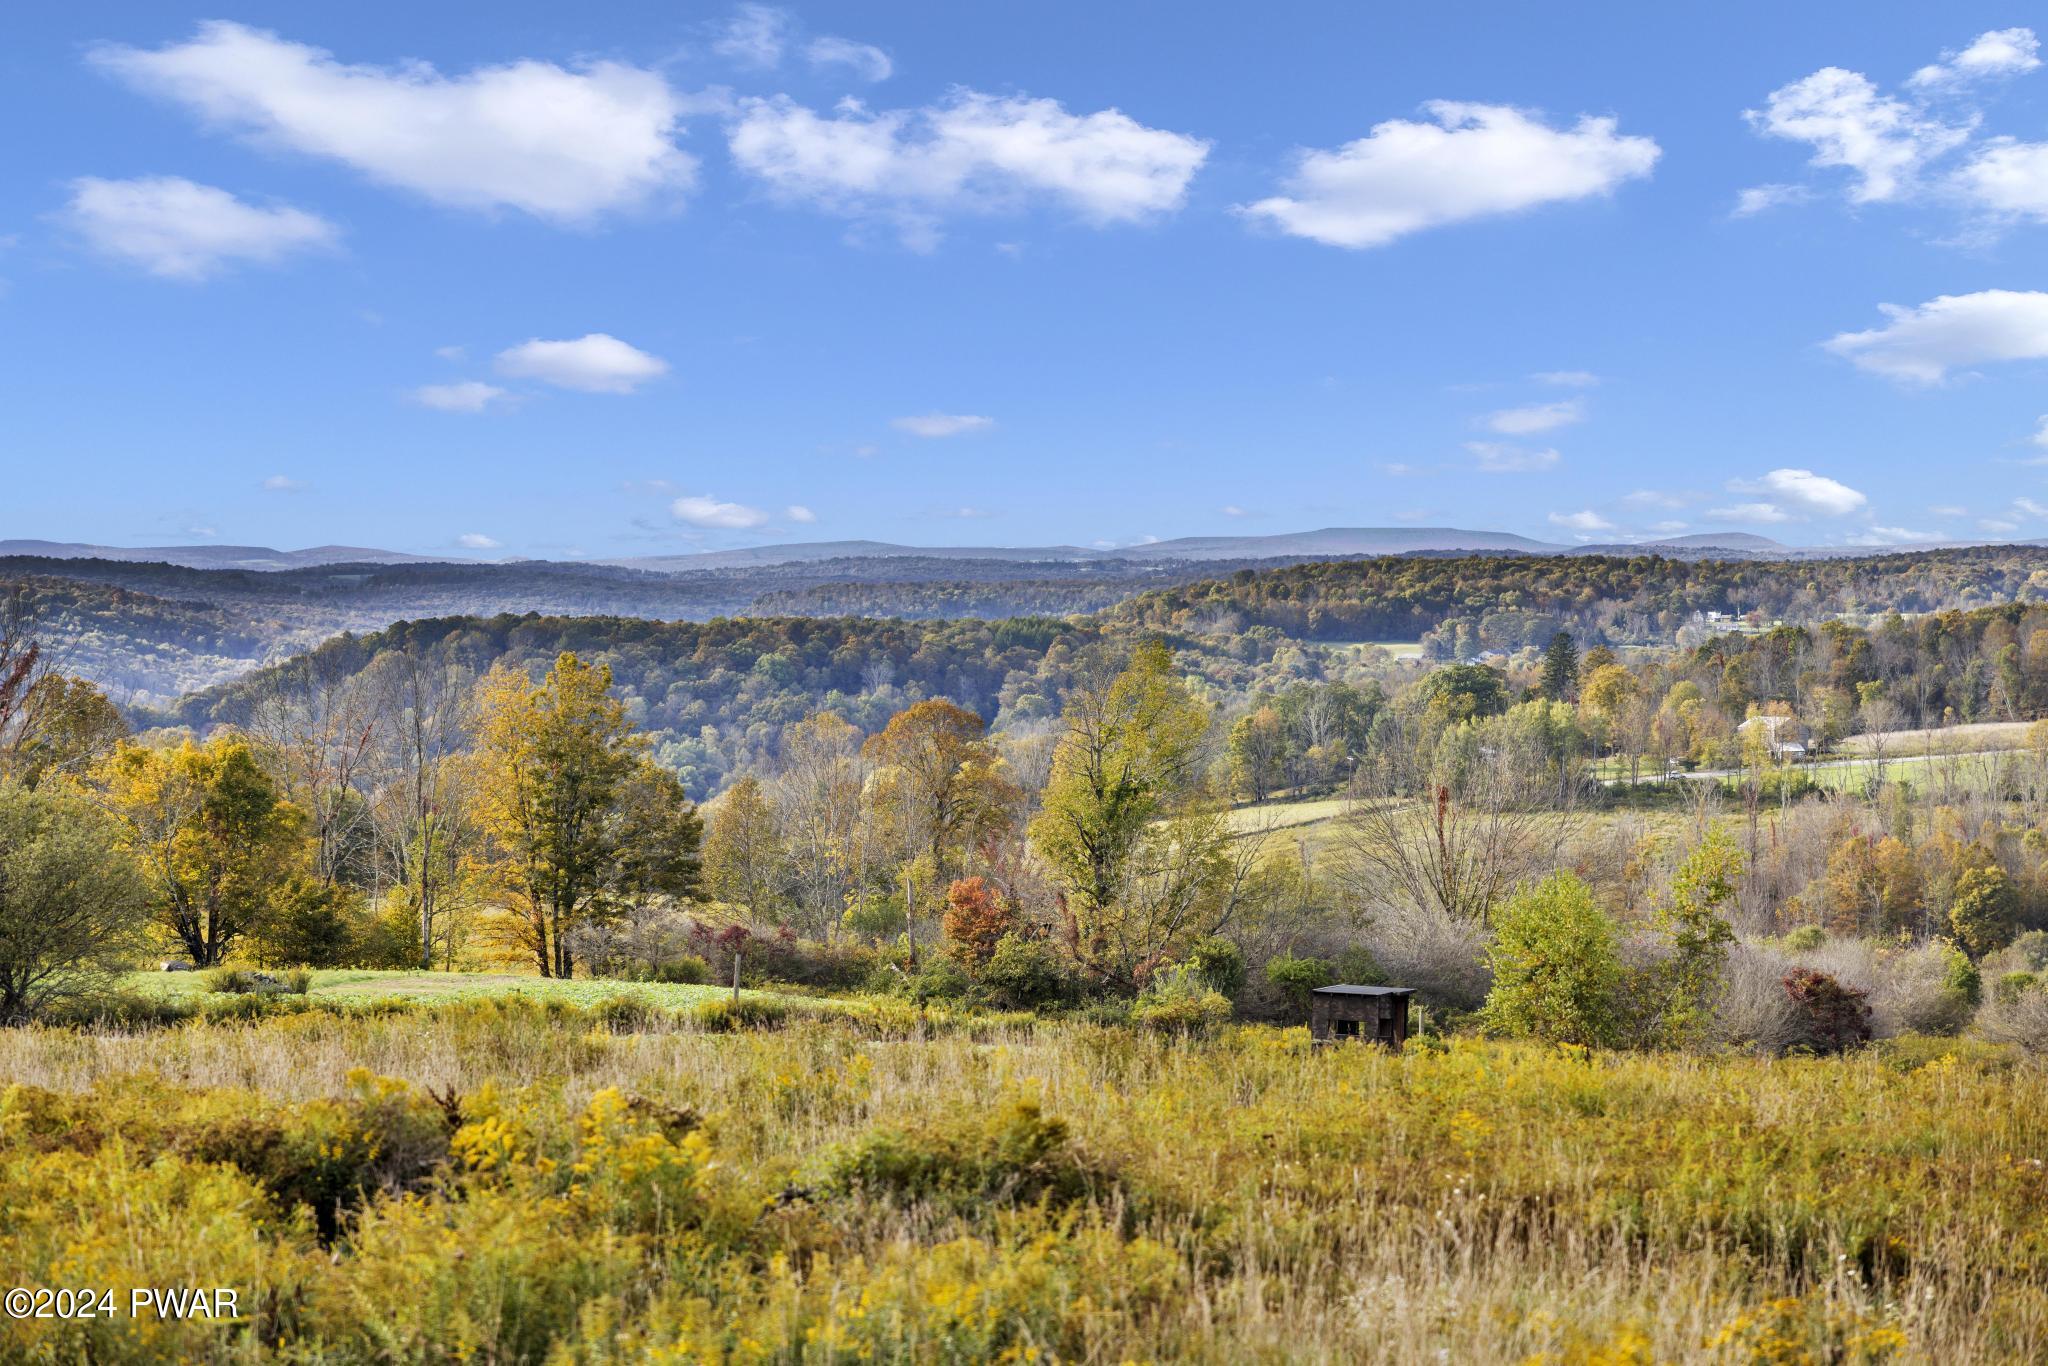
column 1327, row 543
column 213, row 556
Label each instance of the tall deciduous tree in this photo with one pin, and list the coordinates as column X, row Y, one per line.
column 215, row 840
column 1122, row 828
column 743, row 856
column 563, row 796
column 944, row 779
column 70, row 898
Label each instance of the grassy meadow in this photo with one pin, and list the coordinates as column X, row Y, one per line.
column 505, row 1178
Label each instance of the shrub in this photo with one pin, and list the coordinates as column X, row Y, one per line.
column 1984, row 909
column 939, row 979
column 1027, row 974
column 976, row 919
column 1014, row 1155
column 727, row 1016
column 1218, row 964
column 2018, row 1015
column 1187, row 1011
column 1835, row 1016
column 1298, row 978
column 1556, row 966
column 239, row 981
column 298, row 981
column 2013, row 985
column 1356, row 965
column 1805, row 939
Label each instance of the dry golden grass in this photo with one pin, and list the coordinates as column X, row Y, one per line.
column 1248, row 1199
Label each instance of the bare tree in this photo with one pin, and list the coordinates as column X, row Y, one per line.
column 423, row 818
column 1453, row 843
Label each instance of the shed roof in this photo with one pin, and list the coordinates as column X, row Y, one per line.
column 1343, row 990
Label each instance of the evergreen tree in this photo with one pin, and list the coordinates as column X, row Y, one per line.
column 1560, row 667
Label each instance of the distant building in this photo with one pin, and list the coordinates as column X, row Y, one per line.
column 1348, row 1014
column 1787, row 737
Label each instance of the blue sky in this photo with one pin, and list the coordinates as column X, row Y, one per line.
column 620, row 279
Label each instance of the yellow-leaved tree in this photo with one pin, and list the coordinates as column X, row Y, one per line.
column 216, row 843
column 580, row 824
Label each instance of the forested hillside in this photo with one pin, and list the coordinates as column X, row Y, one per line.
column 715, row 696
column 1498, row 602
column 149, row 632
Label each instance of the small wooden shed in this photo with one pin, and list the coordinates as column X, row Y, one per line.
column 1348, row 1014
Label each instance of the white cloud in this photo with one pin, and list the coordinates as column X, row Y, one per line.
column 706, row 511
column 283, row 483
column 1667, row 528
column 1541, row 417
column 1233, row 510
column 971, row 153
column 2030, row 507
column 1471, row 161
column 1947, row 510
column 1652, row 498
column 1762, row 198
column 1750, row 512
column 1567, row 379
column 970, row 513
column 1921, row 345
column 1497, row 457
column 476, row 540
column 865, row 60
column 2040, row 436
column 1893, row 535
column 755, row 36
column 1803, row 491
column 596, row 363
column 1997, row 525
column 562, row 145
column 942, row 424
column 797, row 512
column 451, row 352
column 1587, row 520
column 2001, row 52
column 186, row 231
column 464, row 396
column 2008, row 179
column 1841, row 115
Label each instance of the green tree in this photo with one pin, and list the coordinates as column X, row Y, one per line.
column 1560, row 667
column 743, row 854
column 71, row 899
column 1258, row 753
column 1557, row 971
column 1131, row 755
column 1983, row 909
column 1123, row 828
column 215, row 841
column 1699, row 933
column 563, row 795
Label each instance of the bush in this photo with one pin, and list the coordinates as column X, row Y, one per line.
column 976, row 919
column 1192, row 1011
column 298, row 981
column 2017, row 1015
column 1218, row 964
column 1805, row 939
column 941, row 978
column 2013, row 985
column 1835, row 1016
column 240, row 981
column 1016, row 1155
column 1027, row 974
column 1984, row 909
column 1556, row 962
column 1298, row 978
column 727, row 1016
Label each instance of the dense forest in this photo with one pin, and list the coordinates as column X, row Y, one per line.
column 1475, row 602
column 149, row 632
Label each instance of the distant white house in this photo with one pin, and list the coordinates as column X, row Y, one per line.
column 1787, row 737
